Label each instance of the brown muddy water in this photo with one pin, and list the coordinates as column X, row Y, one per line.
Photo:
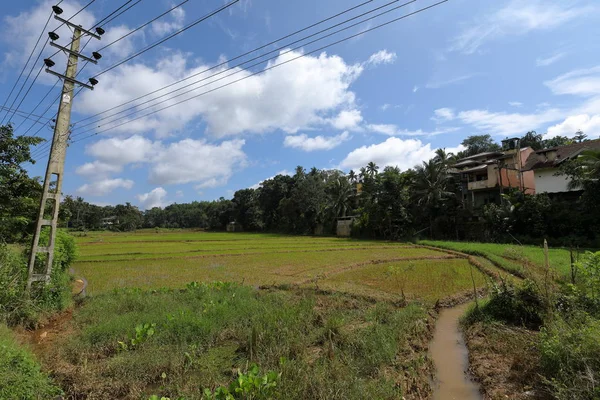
column 451, row 358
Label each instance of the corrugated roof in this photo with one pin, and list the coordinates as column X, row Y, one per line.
column 537, row 160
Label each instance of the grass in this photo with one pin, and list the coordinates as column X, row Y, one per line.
column 512, row 258
column 20, row 374
column 170, row 259
column 422, row 279
column 324, row 346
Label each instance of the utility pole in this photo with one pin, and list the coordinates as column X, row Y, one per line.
column 40, row 269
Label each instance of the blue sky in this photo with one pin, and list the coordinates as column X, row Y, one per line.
column 392, row 95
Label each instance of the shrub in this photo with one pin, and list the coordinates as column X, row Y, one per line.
column 570, row 357
column 20, row 374
column 15, row 306
column 511, row 304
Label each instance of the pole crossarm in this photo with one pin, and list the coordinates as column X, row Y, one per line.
column 72, row 80
column 72, row 25
column 86, row 58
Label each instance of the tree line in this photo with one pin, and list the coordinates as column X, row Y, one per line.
column 385, row 202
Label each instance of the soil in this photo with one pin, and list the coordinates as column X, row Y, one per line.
column 505, row 361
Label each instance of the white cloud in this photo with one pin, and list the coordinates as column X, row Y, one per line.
column 299, row 95
column 393, row 130
column 303, row 142
column 119, row 152
column 515, row 104
column 103, row 187
column 546, row 61
column 179, row 162
column 445, row 114
column 179, row 194
column 347, row 119
column 507, row 124
column 162, row 28
column 436, row 84
column 415, row 89
column 283, row 172
column 197, row 161
column 393, row 152
column 590, row 125
column 516, row 18
column 382, row 57
column 582, row 82
column 154, row 198
column 97, row 169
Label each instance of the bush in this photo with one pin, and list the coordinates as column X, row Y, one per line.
column 20, row 373
column 522, row 306
column 18, row 308
column 570, row 357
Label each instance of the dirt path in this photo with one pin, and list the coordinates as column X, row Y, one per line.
column 450, row 356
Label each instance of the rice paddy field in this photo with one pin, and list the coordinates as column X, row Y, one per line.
column 151, row 259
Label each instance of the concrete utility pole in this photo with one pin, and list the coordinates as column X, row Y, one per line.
column 40, row 270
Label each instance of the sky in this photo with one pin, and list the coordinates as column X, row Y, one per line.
column 391, row 94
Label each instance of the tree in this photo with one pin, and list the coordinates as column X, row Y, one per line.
column 532, row 139
column 444, row 158
column 19, row 194
column 431, row 188
column 352, row 176
column 580, row 137
column 557, row 141
column 372, row 169
column 340, row 193
column 478, row 144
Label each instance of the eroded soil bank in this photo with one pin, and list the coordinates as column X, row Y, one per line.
column 450, row 357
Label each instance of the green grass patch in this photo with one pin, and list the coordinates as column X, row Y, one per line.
column 324, row 346
column 20, row 373
column 429, row 280
column 512, row 258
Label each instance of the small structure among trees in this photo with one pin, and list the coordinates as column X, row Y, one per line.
column 344, row 226
column 234, row 226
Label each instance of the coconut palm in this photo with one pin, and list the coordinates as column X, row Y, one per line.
column 372, row 169
column 431, row 187
column 584, row 169
column 352, row 176
column 340, row 193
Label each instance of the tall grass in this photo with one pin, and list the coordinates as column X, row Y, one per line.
column 323, row 346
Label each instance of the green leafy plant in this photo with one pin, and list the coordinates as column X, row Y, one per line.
column 143, row 332
column 251, row 385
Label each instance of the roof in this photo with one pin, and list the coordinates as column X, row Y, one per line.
column 474, row 169
column 535, row 160
column 480, row 155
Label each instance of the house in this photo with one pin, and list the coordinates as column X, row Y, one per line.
column 234, row 227
column 108, row 222
column 545, row 165
column 485, row 176
column 344, row 226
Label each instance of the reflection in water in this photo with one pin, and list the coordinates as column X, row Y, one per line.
column 450, row 356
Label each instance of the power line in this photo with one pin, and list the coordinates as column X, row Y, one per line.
column 106, row 21
column 27, row 63
column 224, row 7
column 227, row 61
column 271, row 67
column 23, row 114
column 144, row 25
column 38, row 58
column 253, row 65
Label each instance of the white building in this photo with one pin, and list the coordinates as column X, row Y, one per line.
column 546, row 163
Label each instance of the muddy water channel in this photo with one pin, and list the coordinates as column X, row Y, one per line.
column 450, row 356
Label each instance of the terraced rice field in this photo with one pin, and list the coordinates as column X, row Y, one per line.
column 149, row 259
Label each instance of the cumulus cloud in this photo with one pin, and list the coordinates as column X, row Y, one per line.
column 590, row 125
column 445, row 114
column 393, row 152
column 103, row 187
column 162, row 27
column 154, row 198
column 381, row 57
column 303, row 142
column 516, row 18
column 515, row 104
column 347, row 119
column 299, row 95
column 178, row 162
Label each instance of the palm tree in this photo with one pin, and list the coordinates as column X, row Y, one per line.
column 340, row 193
column 586, row 169
column 352, row 176
column 444, row 158
column 372, row 168
column 431, row 187
column 363, row 173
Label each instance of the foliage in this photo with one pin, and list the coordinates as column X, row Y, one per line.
column 251, row 385
column 19, row 194
column 532, row 139
column 20, row 373
column 15, row 306
column 478, row 144
column 143, row 332
column 589, row 268
column 570, row 356
column 334, row 345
